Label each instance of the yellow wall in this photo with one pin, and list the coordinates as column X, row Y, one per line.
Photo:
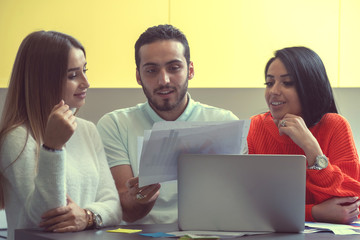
column 230, row 40
column 350, row 43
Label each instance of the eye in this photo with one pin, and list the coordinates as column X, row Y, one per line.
column 85, row 70
column 72, row 75
column 288, row 83
column 151, row 70
column 269, row 84
column 269, row 81
column 174, row 67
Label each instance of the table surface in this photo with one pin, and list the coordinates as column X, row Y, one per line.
column 29, row 234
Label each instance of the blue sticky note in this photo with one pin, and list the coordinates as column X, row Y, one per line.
column 157, row 234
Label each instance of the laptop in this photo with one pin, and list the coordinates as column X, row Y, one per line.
column 247, row 193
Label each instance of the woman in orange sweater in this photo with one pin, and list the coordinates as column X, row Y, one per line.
column 303, row 119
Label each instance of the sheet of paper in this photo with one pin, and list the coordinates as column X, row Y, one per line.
column 141, row 142
column 338, row 229
column 221, row 234
column 3, row 223
column 158, row 161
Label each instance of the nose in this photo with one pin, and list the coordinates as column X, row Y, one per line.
column 276, row 89
column 163, row 77
column 84, row 82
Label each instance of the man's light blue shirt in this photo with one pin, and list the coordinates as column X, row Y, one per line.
column 120, row 130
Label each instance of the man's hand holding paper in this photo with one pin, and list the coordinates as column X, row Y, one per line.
column 158, row 161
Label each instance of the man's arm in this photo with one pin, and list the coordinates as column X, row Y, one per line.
column 128, row 187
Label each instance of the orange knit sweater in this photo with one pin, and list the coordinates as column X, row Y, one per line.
column 333, row 132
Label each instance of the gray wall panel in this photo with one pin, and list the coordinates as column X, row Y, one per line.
column 243, row 102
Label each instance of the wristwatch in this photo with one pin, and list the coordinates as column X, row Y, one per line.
column 98, row 223
column 321, row 162
column 94, row 220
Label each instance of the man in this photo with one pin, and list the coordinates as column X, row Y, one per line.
column 163, row 68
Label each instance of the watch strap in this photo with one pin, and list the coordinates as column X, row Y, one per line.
column 90, row 218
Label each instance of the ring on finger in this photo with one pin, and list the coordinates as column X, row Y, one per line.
column 139, row 196
column 283, row 123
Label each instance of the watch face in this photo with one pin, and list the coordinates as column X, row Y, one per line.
column 322, row 161
column 98, row 221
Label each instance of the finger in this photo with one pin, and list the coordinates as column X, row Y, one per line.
column 149, row 190
column 284, row 129
column 61, row 107
column 55, row 212
column 65, row 229
column 346, row 200
column 60, row 104
column 155, row 193
column 60, row 225
column 355, row 208
column 132, row 182
column 148, row 193
column 134, row 190
column 68, row 114
column 352, row 220
column 72, row 121
column 353, row 216
column 68, row 199
column 354, row 211
column 49, row 222
column 75, row 125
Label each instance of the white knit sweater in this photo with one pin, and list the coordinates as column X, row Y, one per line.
column 33, row 185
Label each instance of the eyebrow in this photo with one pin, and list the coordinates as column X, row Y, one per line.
column 284, row 75
column 167, row 63
column 73, row 69
column 77, row 68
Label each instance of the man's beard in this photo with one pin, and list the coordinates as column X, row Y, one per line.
column 165, row 105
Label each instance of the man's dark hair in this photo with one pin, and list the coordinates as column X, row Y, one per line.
column 161, row 32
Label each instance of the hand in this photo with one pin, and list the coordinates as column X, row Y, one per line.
column 70, row 218
column 150, row 193
column 296, row 129
column 60, row 126
column 343, row 210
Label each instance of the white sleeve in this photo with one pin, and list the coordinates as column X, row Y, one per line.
column 37, row 181
column 107, row 203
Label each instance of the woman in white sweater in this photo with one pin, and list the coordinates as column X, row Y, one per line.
column 53, row 170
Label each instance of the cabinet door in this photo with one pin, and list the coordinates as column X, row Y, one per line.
column 231, row 40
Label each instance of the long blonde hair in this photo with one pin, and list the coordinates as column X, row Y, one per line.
column 36, row 85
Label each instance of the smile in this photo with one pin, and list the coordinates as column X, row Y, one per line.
column 82, row 95
column 164, row 92
column 276, row 103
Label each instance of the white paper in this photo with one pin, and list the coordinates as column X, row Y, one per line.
column 3, row 223
column 169, row 139
column 337, row 229
column 221, row 234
